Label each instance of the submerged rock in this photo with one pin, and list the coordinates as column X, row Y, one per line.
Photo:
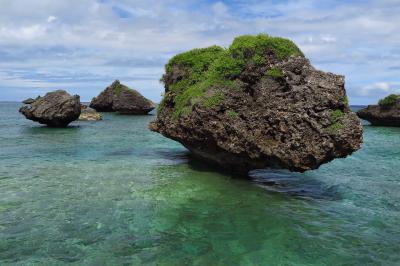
column 55, row 109
column 386, row 113
column 89, row 114
column 257, row 104
column 119, row 98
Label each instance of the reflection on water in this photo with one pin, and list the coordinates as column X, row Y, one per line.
column 114, row 193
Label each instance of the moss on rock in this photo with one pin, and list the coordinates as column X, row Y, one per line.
column 232, row 114
column 335, row 120
column 217, row 67
column 274, row 73
column 119, row 88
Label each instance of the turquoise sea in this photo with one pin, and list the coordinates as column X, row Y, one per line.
column 114, row 193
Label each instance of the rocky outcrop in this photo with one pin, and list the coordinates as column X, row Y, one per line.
column 119, row 98
column 386, row 113
column 55, row 109
column 30, row 100
column 257, row 104
column 89, row 114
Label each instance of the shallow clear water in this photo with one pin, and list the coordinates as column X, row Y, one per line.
column 114, row 193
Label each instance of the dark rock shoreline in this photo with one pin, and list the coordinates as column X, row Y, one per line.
column 386, row 113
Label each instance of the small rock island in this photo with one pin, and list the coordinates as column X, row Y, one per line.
column 119, row 98
column 89, row 114
column 55, row 109
column 259, row 103
column 386, row 113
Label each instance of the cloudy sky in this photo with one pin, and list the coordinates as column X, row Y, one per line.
column 83, row 45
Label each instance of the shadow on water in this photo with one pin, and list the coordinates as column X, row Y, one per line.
column 55, row 139
column 294, row 184
column 173, row 154
column 50, row 130
column 299, row 185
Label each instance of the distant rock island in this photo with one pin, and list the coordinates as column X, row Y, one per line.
column 59, row 109
column 119, row 98
column 386, row 113
column 258, row 103
column 55, row 109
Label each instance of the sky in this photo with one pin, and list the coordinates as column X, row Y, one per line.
column 83, row 45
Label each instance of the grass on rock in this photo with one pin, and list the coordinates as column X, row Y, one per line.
column 119, row 88
column 232, row 114
column 217, row 67
column 335, row 123
column 274, row 73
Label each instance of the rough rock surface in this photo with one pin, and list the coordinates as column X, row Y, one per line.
column 119, row 98
column 89, row 114
column 382, row 115
column 55, row 109
column 269, row 109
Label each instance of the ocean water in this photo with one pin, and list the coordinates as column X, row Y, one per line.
column 114, row 193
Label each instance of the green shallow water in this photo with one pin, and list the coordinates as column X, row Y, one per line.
column 114, row 193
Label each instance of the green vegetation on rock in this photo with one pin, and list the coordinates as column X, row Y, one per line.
column 274, row 73
column 217, row 67
column 254, row 47
column 213, row 100
column 346, row 100
column 335, row 127
column 335, row 123
column 335, row 115
column 119, row 88
column 389, row 100
column 232, row 114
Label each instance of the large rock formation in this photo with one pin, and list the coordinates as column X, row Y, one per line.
column 257, row 104
column 386, row 113
column 55, row 109
column 119, row 98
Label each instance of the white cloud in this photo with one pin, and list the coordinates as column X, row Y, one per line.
column 51, row 19
column 328, row 39
column 375, row 88
column 24, row 33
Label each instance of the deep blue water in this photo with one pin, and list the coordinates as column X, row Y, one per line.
column 114, row 193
